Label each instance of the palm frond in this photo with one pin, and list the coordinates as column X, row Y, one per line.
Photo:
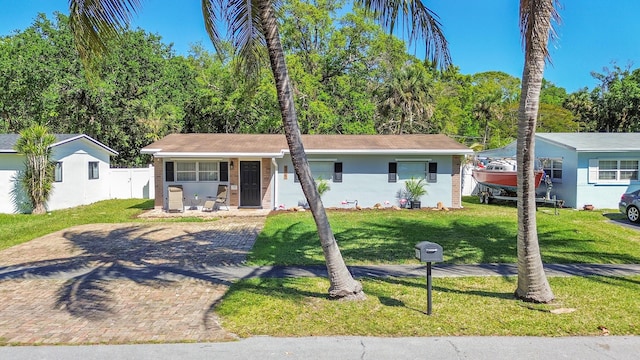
column 534, row 11
column 420, row 23
column 241, row 22
column 94, row 22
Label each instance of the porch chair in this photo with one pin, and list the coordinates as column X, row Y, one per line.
column 221, row 198
column 208, row 205
column 175, row 198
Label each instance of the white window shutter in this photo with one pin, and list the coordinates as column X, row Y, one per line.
column 593, row 171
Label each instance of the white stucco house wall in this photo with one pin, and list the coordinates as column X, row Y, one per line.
column 82, row 172
column 259, row 172
column 585, row 168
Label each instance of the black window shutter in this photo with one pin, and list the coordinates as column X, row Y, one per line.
column 168, row 171
column 393, row 171
column 433, row 172
column 224, row 171
column 337, row 172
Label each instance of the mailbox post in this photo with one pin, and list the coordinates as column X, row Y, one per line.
column 428, row 252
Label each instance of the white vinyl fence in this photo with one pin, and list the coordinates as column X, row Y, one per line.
column 134, row 183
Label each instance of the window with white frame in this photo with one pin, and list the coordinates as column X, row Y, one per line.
column 94, row 170
column 553, row 169
column 197, row 170
column 57, row 173
column 208, row 171
column 613, row 171
column 186, row 171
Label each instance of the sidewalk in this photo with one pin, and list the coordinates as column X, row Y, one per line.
column 231, row 273
column 356, row 348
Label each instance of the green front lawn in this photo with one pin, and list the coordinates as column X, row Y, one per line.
column 476, row 234
column 18, row 228
column 479, row 306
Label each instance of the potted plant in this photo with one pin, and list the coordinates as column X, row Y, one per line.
column 322, row 186
column 415, row 189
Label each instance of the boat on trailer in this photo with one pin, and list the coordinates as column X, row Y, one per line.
column 498, row 180
column 502, row 174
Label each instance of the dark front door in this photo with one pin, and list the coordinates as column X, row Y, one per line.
column 250, row 183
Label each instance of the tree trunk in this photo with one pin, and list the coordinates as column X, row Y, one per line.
column 343, row 286
column 532, row 281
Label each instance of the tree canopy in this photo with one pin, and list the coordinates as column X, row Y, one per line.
column 349, row 77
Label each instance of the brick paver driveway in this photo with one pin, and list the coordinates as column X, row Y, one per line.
column 121, row 283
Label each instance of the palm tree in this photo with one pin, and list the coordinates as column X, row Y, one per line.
column 252, row 24
column 37, row 179
column 407, row 95
column 536, row 17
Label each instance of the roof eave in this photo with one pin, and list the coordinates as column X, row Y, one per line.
column 88, row 138
column 202, row 155
column 389, row 151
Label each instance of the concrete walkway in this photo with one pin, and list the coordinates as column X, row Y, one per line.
column 231, row 273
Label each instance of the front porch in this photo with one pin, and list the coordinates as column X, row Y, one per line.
column 233, row 211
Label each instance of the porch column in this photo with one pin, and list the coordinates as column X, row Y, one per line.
column 456, row 181
column 158, row 171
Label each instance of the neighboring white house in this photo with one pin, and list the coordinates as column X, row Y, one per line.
column 82, row 174
column 258, row 168
column 585, row 168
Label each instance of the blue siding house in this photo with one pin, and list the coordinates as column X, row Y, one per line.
column 258, row 170
column 585, row 168
column 590, row 168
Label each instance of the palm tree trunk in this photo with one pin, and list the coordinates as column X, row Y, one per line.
column 532, row 281
column 343, row 286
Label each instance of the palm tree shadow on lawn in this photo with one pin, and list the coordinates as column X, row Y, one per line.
column 133, row 253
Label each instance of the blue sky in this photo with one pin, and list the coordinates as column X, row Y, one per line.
column 483, row 35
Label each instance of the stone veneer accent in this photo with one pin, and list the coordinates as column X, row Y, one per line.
column 266, row 184
column 158, row 175
column 456, row 191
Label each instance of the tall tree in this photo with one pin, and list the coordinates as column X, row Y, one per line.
column 37, row 179
column 251, row 25
column 536, row 18
column 406, row 95
column 583, row 109
column 617, row 100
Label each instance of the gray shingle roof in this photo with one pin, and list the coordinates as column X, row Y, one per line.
column 595, row 141
column 8, row 141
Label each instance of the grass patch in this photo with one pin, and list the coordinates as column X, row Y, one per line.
column 478, row 233
column 18, row 228
column 482, row 306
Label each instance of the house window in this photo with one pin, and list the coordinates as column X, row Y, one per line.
column 412, row 170
column 194, row 171
column 613, row 171
column 186, row 171
column 207, row 171
column 553, row 169
column 94, row 168
column 57, row 173
column 320, row 170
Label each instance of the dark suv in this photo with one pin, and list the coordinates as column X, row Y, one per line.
column 630, row 203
